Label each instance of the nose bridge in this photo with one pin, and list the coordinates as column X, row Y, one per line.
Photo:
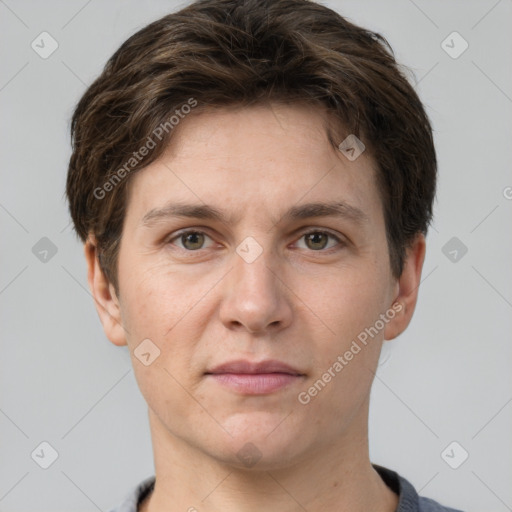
column 254, row 297
column 253, row 267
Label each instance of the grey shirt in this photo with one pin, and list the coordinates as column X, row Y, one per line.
column 408, row 499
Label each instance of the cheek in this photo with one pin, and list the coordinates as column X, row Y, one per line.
column 348, row 300
column 160, row 308
column 351, row 305
column 156, row 298
column 169, row 308
column 346, row 359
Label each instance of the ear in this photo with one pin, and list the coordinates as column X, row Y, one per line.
column 103, row 292
column 408, row 287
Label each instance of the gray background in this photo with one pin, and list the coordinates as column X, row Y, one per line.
column 447, row 378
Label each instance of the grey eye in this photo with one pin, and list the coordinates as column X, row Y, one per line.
column 190, row 240
column 316, row 240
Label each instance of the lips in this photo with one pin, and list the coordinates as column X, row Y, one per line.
column 241, row 366
column 251, row 378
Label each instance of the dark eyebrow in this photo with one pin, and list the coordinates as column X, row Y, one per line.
column 303, row 211
column 333, row 209
column 183, row 210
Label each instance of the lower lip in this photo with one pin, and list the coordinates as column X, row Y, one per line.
column 255, row 384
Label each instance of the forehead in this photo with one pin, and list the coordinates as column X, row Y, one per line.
column 261, row 159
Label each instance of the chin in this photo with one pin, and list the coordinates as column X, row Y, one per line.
column 259, row 446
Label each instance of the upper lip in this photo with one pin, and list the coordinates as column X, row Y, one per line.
column 251, row 367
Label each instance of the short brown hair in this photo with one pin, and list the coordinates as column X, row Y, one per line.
column 245, row 52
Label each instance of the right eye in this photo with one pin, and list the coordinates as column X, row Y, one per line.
column 191, row 240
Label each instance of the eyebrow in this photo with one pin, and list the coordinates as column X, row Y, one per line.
column 304, row 211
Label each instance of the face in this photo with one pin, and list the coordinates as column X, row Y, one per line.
column 268, row 277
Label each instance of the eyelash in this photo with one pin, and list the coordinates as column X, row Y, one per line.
column 340, row 242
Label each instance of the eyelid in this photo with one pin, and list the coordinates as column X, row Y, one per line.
column 306, row 231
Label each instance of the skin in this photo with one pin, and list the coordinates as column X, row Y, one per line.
column 297, row 302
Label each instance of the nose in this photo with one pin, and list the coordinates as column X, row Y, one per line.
column 255, row 299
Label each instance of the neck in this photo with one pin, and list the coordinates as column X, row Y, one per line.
column 330, row 477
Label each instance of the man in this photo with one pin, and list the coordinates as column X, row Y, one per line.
column 253, row 182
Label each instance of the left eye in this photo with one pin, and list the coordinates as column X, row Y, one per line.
column 318, row 240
